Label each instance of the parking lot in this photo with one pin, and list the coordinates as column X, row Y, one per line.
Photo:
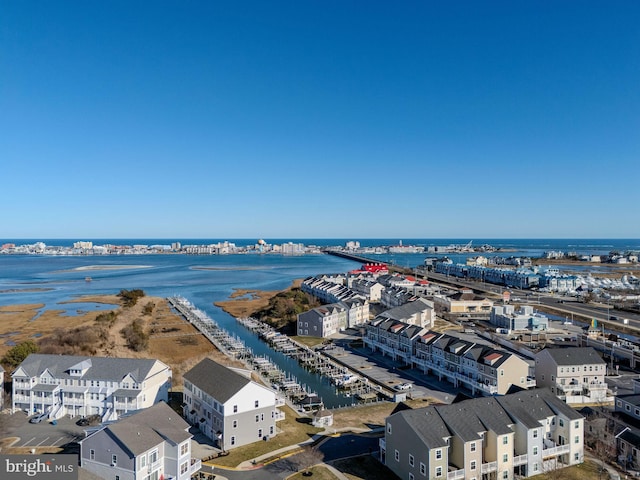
column 40, row 435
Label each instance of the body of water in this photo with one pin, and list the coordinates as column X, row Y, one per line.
column 205, row 279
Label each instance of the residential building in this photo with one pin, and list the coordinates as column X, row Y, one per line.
column 574, row 374
column 395, row 296
column 392, row 338
column 227, row 406
column 525, row 318
column 79, row 385
column 629, row 405
column 149, row 445
column 464, row 301
column 418, row 312
column 323, row 321
column 370, row 289
column 479, row 367
column 521, row 434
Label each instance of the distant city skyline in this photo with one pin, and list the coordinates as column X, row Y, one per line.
column 299, row 120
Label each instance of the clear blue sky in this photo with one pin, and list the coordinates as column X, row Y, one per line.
column 307, row 119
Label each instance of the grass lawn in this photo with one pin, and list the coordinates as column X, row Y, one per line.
column 317, row 473
column 308, row 341
column 292, row 430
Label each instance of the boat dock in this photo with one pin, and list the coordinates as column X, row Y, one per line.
column 234, row 347
column 313, row 360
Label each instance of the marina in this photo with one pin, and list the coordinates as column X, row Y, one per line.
column 300, row 395
column 314, row 360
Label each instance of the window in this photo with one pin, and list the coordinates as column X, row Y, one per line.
column 184, row 467
column 576, row 457
column 184, row 448
column 143, row 461
column 505, row 474
column 271, row 430
column 535, row 450
column 472, row 446
column 259, row 433
column 411, row 461
column 535, row 434
column 423, row 469
column 388, row 428
column 257, row 402
column 576, row 439
column 473, row 465
column 505, row 440
column 235, row 424
column 535, row 467
column 235, row 409
column 114, row 459
column 505, row 458
column 92, row 454
column 233, row 440
column 438, row 471
column 153, row 457
column 257, row 418
column 576, row 424
column 411, row 476
column 397, row 456
column 438, row 454
column 561, row 422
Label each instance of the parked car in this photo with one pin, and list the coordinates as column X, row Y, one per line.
column 404, row 386
column 37, row 418
column 89, row 421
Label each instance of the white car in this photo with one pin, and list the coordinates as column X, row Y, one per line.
column 404, row 386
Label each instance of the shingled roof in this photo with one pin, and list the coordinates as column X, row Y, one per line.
column 575, row 356
column 220, row 382
column 148, row 428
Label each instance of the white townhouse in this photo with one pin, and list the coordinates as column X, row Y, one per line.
column 228, row 407
column 368, row 288
column 78, row 385
column 574, row 374
column 152, row 444
column 329, row 319
column 477, row 366
column 418, row 312
column 512, row 436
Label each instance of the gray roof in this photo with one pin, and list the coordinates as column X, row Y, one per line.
column 406, row 311
column 575, row 356
column 148, row 428
column 216, row 380
column 633, row 399
column 102, row 368
column 533, row 406
column 427, row 424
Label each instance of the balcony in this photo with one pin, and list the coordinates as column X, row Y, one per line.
column 383, row 444
column 455, row 474
column 489, row 467
column 520, row 460
column 196, row 465
column 555, row 451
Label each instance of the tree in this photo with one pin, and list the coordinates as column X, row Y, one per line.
column 16, row 355
column 309, row 456
column 130, row 297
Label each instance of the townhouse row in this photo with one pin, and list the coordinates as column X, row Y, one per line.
column 512, row 436
column 480, row 368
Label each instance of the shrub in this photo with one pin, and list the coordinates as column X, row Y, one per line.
column 130, row 297
column 137, row 339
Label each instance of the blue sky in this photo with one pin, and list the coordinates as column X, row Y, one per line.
column 311, row 119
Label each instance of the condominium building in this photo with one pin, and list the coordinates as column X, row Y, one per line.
column 149, row 445
column 227, row 406
column 464, row 301
column 574, row 374
column 524, row 318
column 78, row 385
column 521, row 434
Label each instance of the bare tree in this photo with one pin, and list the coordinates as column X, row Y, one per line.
column 309, row 456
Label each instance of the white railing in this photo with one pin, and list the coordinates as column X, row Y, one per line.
column 520, row 460
column 555, row 451
column 455, row 474
column 489, row 467
column 383, row 444
column 196, row 464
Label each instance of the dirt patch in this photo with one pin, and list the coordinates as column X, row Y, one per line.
column 244, row 303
